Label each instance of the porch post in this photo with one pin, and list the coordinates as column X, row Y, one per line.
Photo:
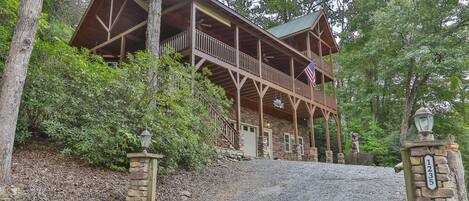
column 193, row 32
column 323, row 82
column 122, row 52
column 237, row 45
column 313, row 152
column 296, row 147
column 238, row 82
column 340, row 155
column 292, row 72
column 261, row 90
column 329, row 154
column 259, row 56
column 308, row 45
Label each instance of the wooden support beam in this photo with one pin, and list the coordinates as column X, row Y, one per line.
column 339, row 142
column 259, row 56
column 193, row 33
column 200, row 63
column 111, row 9
column 295, row 103
column 143, row 4
column 261, row 90
column 237, row 45
column 292, row 73
column 122, row 52
column 118, row 15
column 308, row 46
column 140, row 25
column 326, row 115
column 323, row 82
column 102, row 23
column 174, row 7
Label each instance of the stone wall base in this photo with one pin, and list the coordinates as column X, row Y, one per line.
column 313, row 153
column 329, row 156
column 340, row 158
column 450, row 186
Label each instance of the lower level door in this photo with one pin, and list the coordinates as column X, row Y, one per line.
column 250, row 139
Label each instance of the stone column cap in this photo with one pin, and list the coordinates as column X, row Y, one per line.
column 144, row 155
column 410, row 144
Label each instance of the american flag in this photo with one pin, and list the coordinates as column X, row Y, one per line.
column 310, row 71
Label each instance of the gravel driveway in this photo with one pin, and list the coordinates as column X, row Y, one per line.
column 267, row 180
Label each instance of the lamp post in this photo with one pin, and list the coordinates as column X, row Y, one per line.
column 145, row 140
column 424, row 122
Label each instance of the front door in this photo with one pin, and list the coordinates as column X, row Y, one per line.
column 250, row 139
column 268, row 143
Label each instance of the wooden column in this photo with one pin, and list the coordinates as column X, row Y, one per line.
column 238, row 82
column 237, row 45
column 261, row 90
column 122, row 52
column 259, row 56
column 193, row 32
column 311, row 110
column 323, row 83
column 320, row 46
column 339, row 142
column 328, row 133
column 308, row 45
column 295, row 102
column 292, row 72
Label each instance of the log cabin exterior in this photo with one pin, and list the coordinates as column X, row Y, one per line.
column 256, row 67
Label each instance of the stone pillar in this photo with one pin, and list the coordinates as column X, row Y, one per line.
column 329, row 156
column 448, row 167
column 313, row 153
column 297, row 152
column 340, row 158
column 143, row 172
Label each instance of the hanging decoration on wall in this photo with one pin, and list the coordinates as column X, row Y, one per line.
column 278, row 103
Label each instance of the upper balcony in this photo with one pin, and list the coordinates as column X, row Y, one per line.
column 227, row 54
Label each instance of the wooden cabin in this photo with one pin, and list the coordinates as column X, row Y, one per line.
column 262, row 70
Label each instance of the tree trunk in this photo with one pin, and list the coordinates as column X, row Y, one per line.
column 13, row 79
column 153, row 27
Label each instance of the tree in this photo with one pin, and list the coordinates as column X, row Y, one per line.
column 13, row 80
column 153, row 28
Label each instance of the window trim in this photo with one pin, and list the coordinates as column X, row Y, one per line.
column 285, row 144
column 302, row 144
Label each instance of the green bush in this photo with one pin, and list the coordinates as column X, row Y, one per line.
column 96, row 112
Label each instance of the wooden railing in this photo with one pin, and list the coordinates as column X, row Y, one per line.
column 302, row 89
column 177, row 42
column 224, row 52
column 224, row 127
column 215, row 48
column 273, row 75
column 322, row 64
column 248, row 63
column 319, row 97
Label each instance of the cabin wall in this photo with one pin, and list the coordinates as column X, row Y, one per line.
column 279, row 126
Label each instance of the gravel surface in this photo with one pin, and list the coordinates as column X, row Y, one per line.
column 41, row 174
column 263, row 180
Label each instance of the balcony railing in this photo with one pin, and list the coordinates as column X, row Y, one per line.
column 323, row 65
column 222, row 51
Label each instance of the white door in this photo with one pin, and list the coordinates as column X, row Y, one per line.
column 250, row 139
column 268, row 143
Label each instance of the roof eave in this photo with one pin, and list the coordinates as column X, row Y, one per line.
column 81, row 22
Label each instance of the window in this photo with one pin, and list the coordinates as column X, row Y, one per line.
column 287, row 142
column 302, row 145
column 266, row 139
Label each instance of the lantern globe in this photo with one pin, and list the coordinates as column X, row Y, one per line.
column 145, row 139
column 424, row 121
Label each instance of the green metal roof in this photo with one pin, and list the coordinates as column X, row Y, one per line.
column 296, row 25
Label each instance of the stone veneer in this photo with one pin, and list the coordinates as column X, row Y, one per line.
column 143, row 172
column 449, row 186
column 279, row 126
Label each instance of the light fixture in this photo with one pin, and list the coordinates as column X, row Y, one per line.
column 424, row 122
column 145, row 140
column 267, row 124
